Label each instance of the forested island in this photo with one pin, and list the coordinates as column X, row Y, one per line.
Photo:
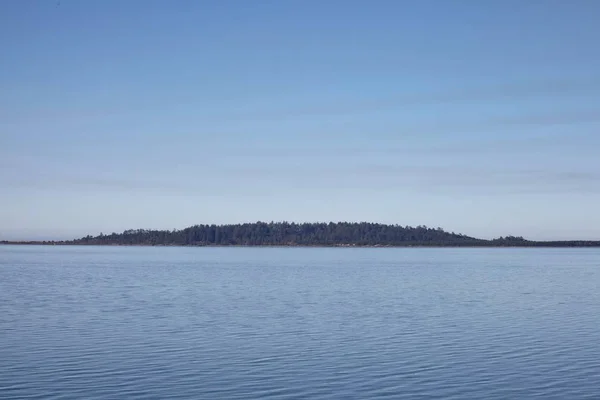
column 332, row 234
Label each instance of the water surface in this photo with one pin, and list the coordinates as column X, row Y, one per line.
column 277, row 323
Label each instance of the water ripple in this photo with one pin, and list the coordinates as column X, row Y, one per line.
column 106, row 323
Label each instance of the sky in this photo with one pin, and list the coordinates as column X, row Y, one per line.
column 480, row 117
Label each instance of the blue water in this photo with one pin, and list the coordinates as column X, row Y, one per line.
column 259, row 323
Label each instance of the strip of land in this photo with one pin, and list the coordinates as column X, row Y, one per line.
column 290, row 234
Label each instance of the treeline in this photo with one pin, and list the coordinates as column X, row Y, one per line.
column 309, row 234
column 288, row 234
column 345, row 234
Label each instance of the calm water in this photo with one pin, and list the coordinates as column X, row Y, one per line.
column 256, row 323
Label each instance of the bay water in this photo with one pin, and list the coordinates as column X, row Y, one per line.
column 298, row 323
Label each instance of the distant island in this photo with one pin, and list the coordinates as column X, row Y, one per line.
column 332, row 234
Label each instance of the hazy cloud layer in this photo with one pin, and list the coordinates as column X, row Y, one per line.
column 352, row 104
column 263, row 181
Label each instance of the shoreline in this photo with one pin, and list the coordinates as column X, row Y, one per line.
column 336, row 246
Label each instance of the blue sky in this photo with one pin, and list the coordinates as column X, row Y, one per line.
column 480, row 117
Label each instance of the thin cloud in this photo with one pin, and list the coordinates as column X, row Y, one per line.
column 467, row 179
column 481, row 94
column 510, row 91
column 256, row 182
column 388, row 143
column 47, row 182
column 229, row 179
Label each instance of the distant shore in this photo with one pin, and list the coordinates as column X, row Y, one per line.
column 303, row 234
column 566, row 244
